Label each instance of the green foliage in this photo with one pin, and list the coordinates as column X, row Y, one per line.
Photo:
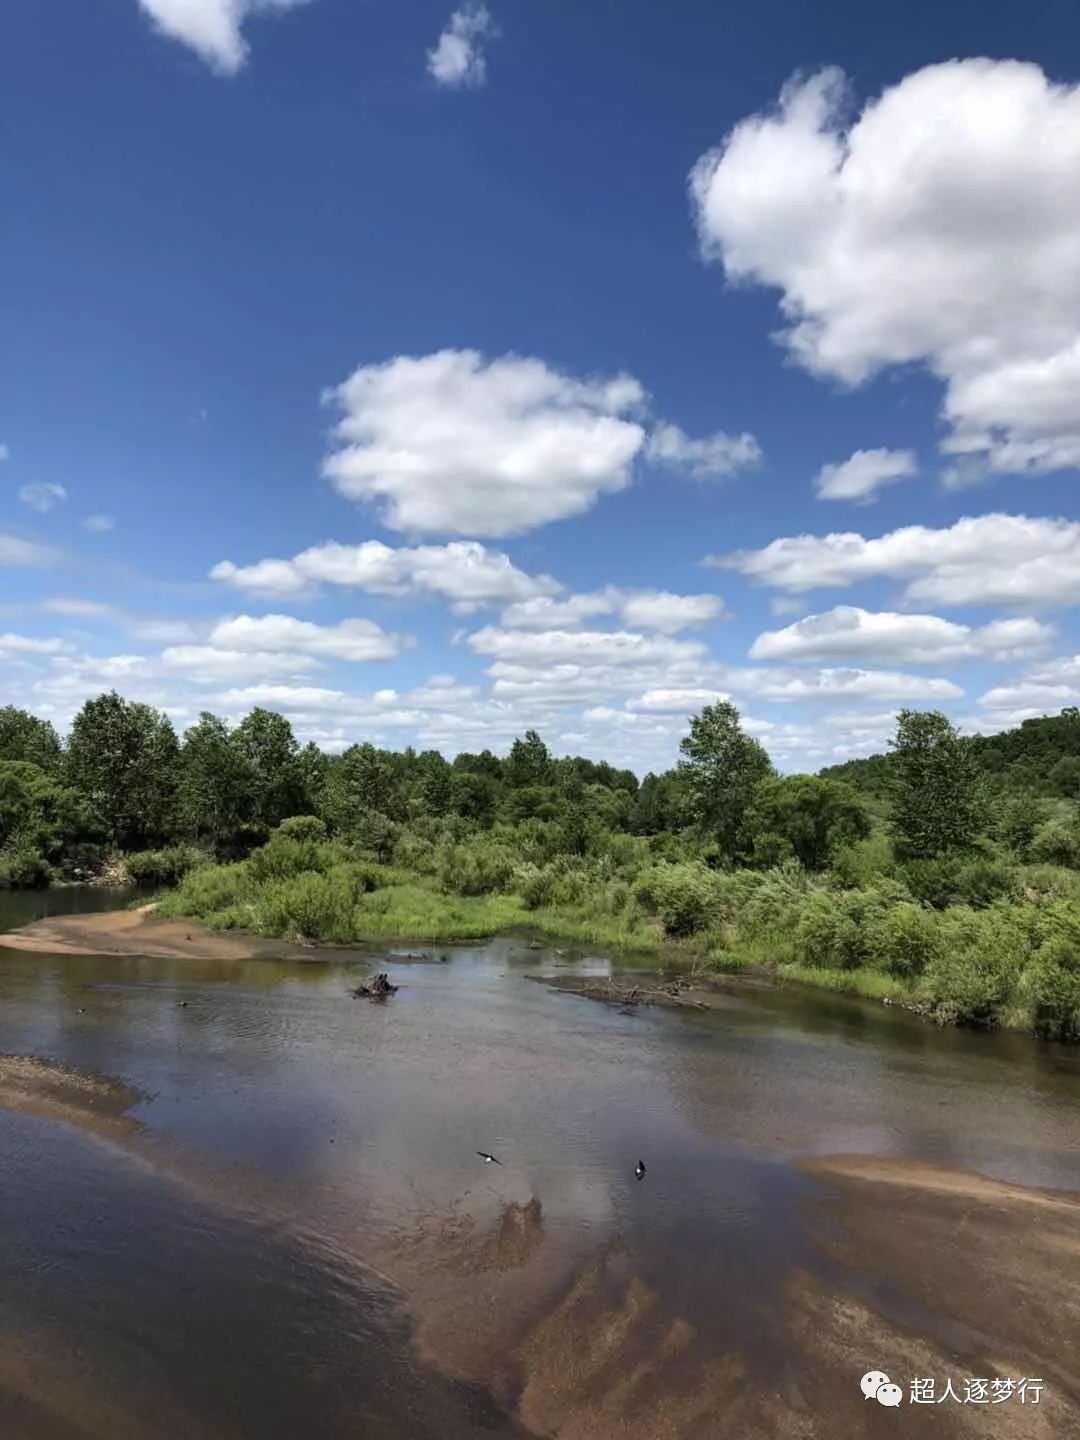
column 167, row 866
column 266, row 745
column 477, row 867
column 1057, row 843
column 24, row 737
column 686, row 898
column 720, row 774
column 904, row 940
column 935, row 803
column 529, row 763
column 123, row 758
column 217, row 793
column 807, row 817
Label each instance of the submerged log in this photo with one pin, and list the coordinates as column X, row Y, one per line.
column 379, row 988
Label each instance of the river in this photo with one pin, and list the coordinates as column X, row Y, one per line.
column 281, row 1226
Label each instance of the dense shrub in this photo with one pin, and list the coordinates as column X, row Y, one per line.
column 1050, row 985
column 164, row 867
column 905, row 940
column 23, row 868
column 685, row 897
column 302, row 827
column 477, row 867
column 1057, row 843
column 975, row 971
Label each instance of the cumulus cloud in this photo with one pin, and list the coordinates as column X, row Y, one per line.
column 936, row 226
column 15, row 647
column 210, row 664
column 25, row 554
column 354, row 640
column 849, row 633
column 863, row 474
column 1044, row 689
column 212, row 28
column 603, row 647
column 644, row 609
column 464, row 572
column 458, row 61
column 840, row 684
column 99, row 524
column 707, row 459
column 42, row 497
column 982, row 560
column 453, row 443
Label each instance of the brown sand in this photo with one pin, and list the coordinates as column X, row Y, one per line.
column 94, row 1103
column 142, row 932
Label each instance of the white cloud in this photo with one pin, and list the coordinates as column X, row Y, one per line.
column 5, row 453
column 463, row 571
column 840, row 684
column 863, row 474
column 595, row 647
column 939, row 226
column 677, row 701
column 78, row 609
column 1043, row 690
column 212, row 28
column 849, row 633
column 458, row 60
column 458, row 444
column 354, row 640
column 984, row 560
column 210, row 664
column 42, row 497
column 706, row 459
column 644, row 609
column 25, row 554
column 99, row 524
column 14, row 647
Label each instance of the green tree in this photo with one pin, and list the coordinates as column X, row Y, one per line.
column 935, row 791
column 360, row 784
column 720, row 774
column 216, row 792
column 529, row 763
column 37, row 813
column 123, row 757
column 24, row 737
column 810, row 815
column 435, row 786
column 265, row 743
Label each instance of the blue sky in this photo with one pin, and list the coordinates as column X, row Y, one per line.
column 422, row 306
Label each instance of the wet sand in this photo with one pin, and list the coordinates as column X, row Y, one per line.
column 97, row 1104
column 142, row 932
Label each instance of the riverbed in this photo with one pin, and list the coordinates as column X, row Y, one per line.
column 238, row 1201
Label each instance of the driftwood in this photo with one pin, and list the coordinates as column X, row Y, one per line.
column 379, row 988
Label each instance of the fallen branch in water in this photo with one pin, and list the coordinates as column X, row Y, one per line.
column 379, row 988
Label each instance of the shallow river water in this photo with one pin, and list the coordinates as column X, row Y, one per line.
column 288, row 1231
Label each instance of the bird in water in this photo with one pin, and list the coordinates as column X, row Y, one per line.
column 639, row 1170
column 488, row 1159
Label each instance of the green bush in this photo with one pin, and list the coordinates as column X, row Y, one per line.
column 302, row 827
column 973, row 975
column 905, row 940
column 164, row 867
column 685, row 897
column 477, row 867
column 1050, row 986
column 23, row 868
column 209, row 890
column 311, row 906
column 1057, row 843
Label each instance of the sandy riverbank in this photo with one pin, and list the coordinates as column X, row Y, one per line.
column 143, row 932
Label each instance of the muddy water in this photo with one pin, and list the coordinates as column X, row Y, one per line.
column 281, row 1226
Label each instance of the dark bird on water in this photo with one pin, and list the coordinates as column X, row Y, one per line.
column 488, row 1159
column 639, row 1169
